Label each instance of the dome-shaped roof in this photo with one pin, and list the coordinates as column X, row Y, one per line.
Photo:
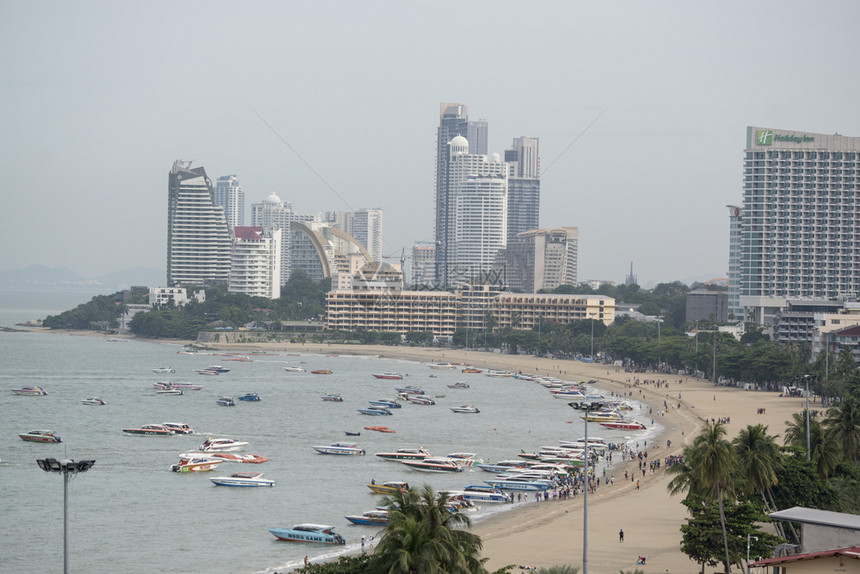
column 459, row 145
column 495, row 157
column 273, row 198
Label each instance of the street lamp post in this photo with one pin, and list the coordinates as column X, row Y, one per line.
column 586, row 456
column 592, row 337
column 808, row 444
column 67, row 467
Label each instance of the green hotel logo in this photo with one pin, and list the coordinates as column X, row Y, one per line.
column 767, row 137
column 764, row 137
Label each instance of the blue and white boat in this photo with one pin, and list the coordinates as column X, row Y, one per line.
column 226, row 402
column 370, row 518
column 501, row 466
column 515, row 484
column 319, row 533
column 386, row 403
column 375, row 411
column 243, row 479
column 480, row 493
column 250, row 397
column 340, row 448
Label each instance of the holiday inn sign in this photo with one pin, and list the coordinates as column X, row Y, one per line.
column 767, row 137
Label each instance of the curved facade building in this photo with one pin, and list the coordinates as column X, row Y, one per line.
column 198, row 240
column 323, row 251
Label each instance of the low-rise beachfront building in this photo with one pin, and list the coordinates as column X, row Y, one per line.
column 473, row 307
column 525, row 310
column 392, row 311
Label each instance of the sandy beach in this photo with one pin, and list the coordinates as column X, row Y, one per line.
column 551, row 533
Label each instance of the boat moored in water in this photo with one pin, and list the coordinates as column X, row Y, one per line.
column 626, row 424
column 321, row 372
column 163, row 370
column 433, row 464
column 179, row 428
column 370, row 518
column 390, row 376
column 385, row 403
column 404, row 454
column 389, row 487
column 245, row 458
column 30, row 392
column 242, row 479
column 249, row 397
column 340, row 448
column 40, row 436
column 292, row 369
column 459, row 385
column 465, row 409
column 409, row 390
column 318, row 533
column 221, row 445
column 375, row 411
column 226, row 402
column 149, row 430
column 191, row 462
column 93, row 401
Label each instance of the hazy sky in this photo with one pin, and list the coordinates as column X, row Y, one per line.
column 99, row 98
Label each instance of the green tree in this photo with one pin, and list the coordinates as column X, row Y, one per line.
column 824, row 452
column 423, row 536
column 843, row 426
column 709, row 463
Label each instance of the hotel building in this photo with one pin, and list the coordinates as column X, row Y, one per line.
column 800, row 221
column 541, row 259
column 523, row 186
column 198, row 240
column 229, row 195
column 256, row 262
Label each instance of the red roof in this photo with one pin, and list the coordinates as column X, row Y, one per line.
column 248, row 232
column 850, row 552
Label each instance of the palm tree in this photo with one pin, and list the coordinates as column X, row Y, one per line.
column 759, row 459
column 824, row 451
column 708, row 465
column 422, row 536
column 843, row 426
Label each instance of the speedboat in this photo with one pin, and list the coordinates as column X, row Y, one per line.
column 190, row 462
column 442, row 366
column 245, row 458
column 179, row 428
column 392, row 376
column 499, row 374
column 321, row 372
column 465, row 458
column 404, row 454
column 207, row 371
column 149, row 430
column 319, row 533
column 93, row 401
column 626, row 424
column 501, row 466
column 421, row 400
column 226, row 402
column 380, row 429
column 375, row 411
column 170, row 391
column 246, row 479
column 188, row 386
column 30, row 391
column 433, row 464
column 601, row 416
column 465, row 409
column 371, row 518
column 40, row 436
column 471, row 370
column 163, row 370
column 518, row 484
column 249, row 397
column 333, row 397
column 388, row 487
column 409, row 390
column 218, row 368
column 291, row 369
column 481, row 493
column 221, row 445
column 459, row 385
column 340, row 448
column 386, row 403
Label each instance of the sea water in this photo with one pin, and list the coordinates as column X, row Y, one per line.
column 131, row 514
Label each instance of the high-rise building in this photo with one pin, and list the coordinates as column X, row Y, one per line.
column 735, row 311
column 229, row 195
column 256, row 262
column 541, row 259
column 799, row 230
column 273, row 214
column 523, row 186
column 423, row 266
column 198, row 240
column 367, row 230
column 453, row 121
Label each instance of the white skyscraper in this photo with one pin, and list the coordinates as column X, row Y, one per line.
column 367, row 230
column 229, row 195
column 273, row 214
column 523, row 186
column 198, row 240
column 256, row 262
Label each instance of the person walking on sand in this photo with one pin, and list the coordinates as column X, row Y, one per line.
column 621, row 536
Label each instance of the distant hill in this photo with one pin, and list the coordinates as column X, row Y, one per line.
column 41, row 276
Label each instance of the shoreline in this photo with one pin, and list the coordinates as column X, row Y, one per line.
column 549, row 533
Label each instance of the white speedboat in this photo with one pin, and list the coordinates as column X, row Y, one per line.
column 465, row 458
column 340, row 448
column 501, row 466
column 291, row 369
column 433, row 464
column 170, row 391
column 222, row 445
column 243, row 479
column 163, row 370
column 191, row 462
column 30, row 391
column 404, row 454
column 93, row 401
column 179, row 428
column 465, row 409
